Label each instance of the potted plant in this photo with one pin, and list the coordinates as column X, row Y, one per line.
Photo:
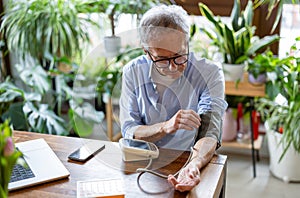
column 260, row 65
column 282, row 114
column 47, row 36
column 115, row 8
column 235, row 41
column 55, row 25
column 26, row 109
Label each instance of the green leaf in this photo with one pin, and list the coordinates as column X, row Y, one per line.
column 248, row 13
column 9, row 92
column 44, row 120
column 278, row 16
column 209, row 33
column 55, row 25
column 207, row 13
column 230, row 42
column 235, row 15
column 193, row 30
column 34, row 76
column 259, row 44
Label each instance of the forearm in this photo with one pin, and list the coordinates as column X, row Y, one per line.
column 150, row 133
column 183, row 119
column 204, row 151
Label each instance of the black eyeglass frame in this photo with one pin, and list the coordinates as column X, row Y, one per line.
column 169, row 59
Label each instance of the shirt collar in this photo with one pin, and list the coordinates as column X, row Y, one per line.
column 178, row 81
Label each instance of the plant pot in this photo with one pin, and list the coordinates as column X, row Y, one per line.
column 233, row 72
column 287, row 169
column 112, row 45
column 260, row 80
column 229, row 126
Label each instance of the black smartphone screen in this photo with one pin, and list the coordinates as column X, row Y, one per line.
column 86, row 151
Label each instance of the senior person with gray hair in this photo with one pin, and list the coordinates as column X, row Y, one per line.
column 170, row 97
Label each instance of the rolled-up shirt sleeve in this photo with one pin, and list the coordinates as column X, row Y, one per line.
column 134, row 78
column 129, row 115
column 212, row 101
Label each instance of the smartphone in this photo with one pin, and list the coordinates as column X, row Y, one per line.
column 86, row 151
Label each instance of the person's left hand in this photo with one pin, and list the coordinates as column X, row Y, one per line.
column 187, row 179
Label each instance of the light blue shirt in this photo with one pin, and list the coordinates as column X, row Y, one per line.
column 200, row 88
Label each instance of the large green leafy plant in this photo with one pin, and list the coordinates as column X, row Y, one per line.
column 235, row 41
column 281, row 108
column 36, row 111
column 42, row 28
column 48, row 37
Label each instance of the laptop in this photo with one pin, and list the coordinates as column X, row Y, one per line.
column 43, row 165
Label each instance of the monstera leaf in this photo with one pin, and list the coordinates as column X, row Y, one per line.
column 43, row 120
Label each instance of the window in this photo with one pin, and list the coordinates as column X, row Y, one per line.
column 290, row 27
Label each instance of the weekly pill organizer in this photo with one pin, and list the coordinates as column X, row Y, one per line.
column 101, row 188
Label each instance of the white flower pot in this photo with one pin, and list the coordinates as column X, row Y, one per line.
column 112, row 45
column 233, row 72
column 288, row 168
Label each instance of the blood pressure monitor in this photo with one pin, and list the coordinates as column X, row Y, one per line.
column 136, row 150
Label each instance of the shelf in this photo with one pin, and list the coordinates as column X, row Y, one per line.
column 243, row 145
column 244, row 88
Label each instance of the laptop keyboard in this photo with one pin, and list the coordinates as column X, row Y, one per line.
column 21, row 172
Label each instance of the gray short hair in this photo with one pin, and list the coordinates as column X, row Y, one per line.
column 163, row 18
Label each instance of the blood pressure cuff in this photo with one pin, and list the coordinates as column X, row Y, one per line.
column 210, row 127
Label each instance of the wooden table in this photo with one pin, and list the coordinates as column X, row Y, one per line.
column 109, row 164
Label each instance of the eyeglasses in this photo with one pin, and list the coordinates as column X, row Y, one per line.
column 165, row 62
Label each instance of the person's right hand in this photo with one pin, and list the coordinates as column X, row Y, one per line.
column 183, row 119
